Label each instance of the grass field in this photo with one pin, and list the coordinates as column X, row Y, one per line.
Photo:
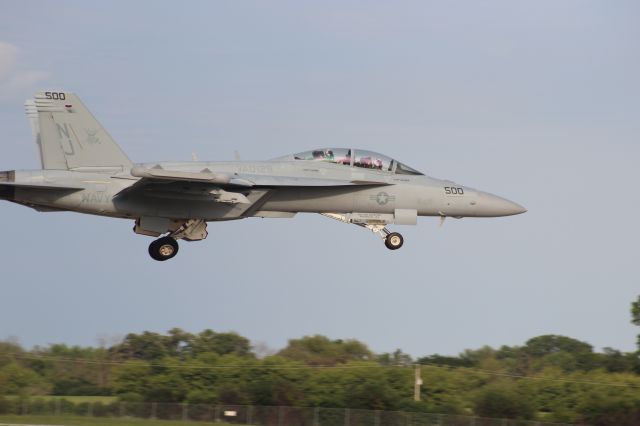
column 97, row 421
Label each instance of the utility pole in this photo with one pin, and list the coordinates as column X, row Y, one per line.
column 418, row 382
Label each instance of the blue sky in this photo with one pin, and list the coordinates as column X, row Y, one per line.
column 535, row 101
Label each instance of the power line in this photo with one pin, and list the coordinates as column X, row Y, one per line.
column 196, row 366
column 351, row 366
column 542, row 378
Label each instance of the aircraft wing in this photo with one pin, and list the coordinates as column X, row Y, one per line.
column 228, row 188
column 207, row 178
column 275, row 181
column 157, row 173
column 37, row 185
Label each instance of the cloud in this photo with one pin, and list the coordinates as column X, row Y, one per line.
column 8, row 59
column 15, row 77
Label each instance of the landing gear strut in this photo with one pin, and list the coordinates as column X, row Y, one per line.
column 166, row 247
column 392, row 240
column 163, row 248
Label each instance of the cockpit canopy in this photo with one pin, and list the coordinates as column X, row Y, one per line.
column 357, row 158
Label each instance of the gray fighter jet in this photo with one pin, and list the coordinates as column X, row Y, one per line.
column 85, row 171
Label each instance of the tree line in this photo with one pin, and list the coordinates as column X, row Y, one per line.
column 550, row 377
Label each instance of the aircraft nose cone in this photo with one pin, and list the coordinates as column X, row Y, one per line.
column 492, row 206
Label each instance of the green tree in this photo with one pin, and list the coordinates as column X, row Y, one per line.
column 209, row 341
column 132, row 379
column 320, row 350
column 561, row 351
column 76, row 371
column 373, row 389
column 615, row 361
column 396, row 358
column 609, row 407
column 8, row 351
column 18, row 380
column 450, row 390
column 179, row 343
column 146, row 346
column 278, row 381
column 200, row 396
column 168, row 386
column 452, row 361
column 549, row 344
column 635, row 317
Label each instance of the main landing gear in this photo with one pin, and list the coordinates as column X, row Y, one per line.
column 166, row 247
column 163, row 248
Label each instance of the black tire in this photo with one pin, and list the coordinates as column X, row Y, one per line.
column 163, row 249
column 394, row 241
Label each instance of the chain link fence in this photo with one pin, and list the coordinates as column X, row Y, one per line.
column 250, row 414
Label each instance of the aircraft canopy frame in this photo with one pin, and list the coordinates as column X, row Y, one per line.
column 357, row 158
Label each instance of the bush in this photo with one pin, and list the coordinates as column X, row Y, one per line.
column 504, row 401
column 82, row 409
column 609, row 410
column 76, row 386
column 130, row 397
column 199, row 396
column 105, row 410
column 41, row 406
column 5, row 406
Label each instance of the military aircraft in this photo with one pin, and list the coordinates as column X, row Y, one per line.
column 85, row 171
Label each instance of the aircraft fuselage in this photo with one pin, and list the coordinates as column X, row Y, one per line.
column 84, row 170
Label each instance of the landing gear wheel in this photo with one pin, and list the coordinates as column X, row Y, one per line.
column 394, row 241
column 163, row 248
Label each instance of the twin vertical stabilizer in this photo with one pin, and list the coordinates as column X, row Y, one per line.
column 68, row 136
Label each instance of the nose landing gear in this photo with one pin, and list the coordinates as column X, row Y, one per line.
column 394, row 241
